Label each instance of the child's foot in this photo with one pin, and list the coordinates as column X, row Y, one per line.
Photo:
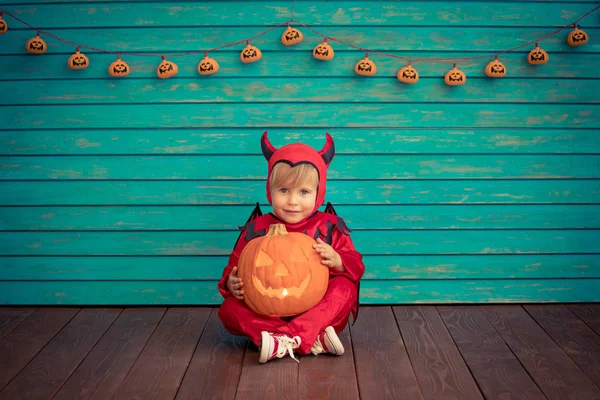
column 277, row 345
column 328, row 342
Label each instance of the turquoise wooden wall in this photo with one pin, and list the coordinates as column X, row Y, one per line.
column 129, row 191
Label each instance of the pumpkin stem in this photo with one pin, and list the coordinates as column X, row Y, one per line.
column 277, row 230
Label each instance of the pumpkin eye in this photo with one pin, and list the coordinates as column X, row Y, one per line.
column 263, row 259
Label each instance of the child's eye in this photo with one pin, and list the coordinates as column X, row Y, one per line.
column 283, row 190
column 304, row 192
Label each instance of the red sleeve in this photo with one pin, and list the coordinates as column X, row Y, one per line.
column 351, row 259
column 233, row 260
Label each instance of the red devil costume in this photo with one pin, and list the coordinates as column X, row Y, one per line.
column 341, row 297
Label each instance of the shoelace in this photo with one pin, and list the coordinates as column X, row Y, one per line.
column 317, row 347
column 287, row 345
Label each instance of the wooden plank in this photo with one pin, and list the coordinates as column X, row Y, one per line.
column 43, row 376
column 141, row 291
column 572, row 335
column 392, row 242
column 290, row 64
column 589, row 313
column 277, row 379
column 490, row 266
column 383, row 368
column 321, row 116
column 162, row 40
column 21, row 345
column 347, row 167
column 552, row 370
column 438, row 365
column 105, row 368
column 328, row 14
column 96, row 192
column 247, row 141
column 11, row 317
column 298, row 90
column 27, row 2
column 158, row 372
column 329, row 377
column 495, row 368
column 216, row 366
column 124, row 218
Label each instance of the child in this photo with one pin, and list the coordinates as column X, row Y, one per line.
column 296, row 185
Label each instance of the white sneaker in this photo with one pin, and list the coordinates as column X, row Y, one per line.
column 277, row 345
column 328, row 342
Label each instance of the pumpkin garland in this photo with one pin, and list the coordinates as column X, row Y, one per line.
column 3, row 25
column 78, row 60
column 166, row 69
column 455, row 77
column 119, row 68
column 495, row 69
column 408, row 74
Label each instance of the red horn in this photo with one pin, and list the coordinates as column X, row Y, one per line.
column 266, row 147
column 328, row 151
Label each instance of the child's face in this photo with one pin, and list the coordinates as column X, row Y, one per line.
column 293, row 204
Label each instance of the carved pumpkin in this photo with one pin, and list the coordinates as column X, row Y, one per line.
column 455, row 77
column 250, row 54
column 365, row 67
column 78, row 60
column 3, row 25
column 408, row 74
column 323, row 51
column 537, row 56
column 495, row 69
column 577, row 37
column 36, row 45
column 166, row 69
column 119, row 68
column 282, row 273
column 208, row 66
column 291, row 36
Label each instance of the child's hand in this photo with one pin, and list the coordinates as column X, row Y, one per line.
column 235, row 284
column 329, row 256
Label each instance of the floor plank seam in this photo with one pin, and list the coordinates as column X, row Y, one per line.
column 354, row 356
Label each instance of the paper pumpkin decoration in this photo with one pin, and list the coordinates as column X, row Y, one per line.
column 323, row 51
column 119, row 68
column 537, row 56
column 207, row 65
column 166, row 69
column 291, row 36
column 577, row 37
column 455, row 77
column 408, row 74
column 282, row 273
column 36, row 45
column 495, row 69
column 78, row 60
column 3, row 25
column 250, row 54
column 365, row 67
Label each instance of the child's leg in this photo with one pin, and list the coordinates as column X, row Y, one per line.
column 240, row 320
column 334, row 309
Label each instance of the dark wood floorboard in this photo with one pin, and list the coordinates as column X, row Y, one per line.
column 21, row 345
column 160, row 368
column 576, row 339
column 383, row 368
column 496, row 369
column 329, row 377
column 105, row 368
column 588, row 313
column 46, row 373
column 553, row 371
column 11, row 317
column 438, row 365
column 215, row 369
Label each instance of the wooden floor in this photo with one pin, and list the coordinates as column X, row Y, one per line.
column 405, row 352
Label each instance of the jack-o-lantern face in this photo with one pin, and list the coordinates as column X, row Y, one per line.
column 365, row 67
column 577, row 37
column 495, row 69
column 78, row 61
column 166, row 69
column 291, row 36
column 455, row 77
column 208, row 66
column 408, row 75
column 282, row 273
column 537, row 56
column 36, row 45
column 3, row 26
column 323, row 51
column 119, row 68
column 250, row 54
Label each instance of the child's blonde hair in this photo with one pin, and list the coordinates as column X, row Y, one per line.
column 284, row 175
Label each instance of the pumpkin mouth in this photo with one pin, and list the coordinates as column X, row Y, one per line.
column 281, row 293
